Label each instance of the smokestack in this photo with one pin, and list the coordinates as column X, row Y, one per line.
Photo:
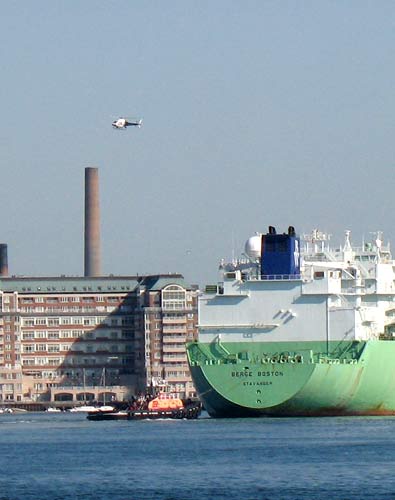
column 3, row 260
column 92, row 223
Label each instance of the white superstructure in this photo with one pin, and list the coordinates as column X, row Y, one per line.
column 340, row 294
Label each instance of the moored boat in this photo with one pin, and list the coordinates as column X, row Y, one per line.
column 92, row 409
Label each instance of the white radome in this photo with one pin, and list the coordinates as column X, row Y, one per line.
column 253, row 246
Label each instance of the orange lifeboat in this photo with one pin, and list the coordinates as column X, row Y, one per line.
column 165, row 402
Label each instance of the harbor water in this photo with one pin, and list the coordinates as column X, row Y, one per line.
column 51, row 456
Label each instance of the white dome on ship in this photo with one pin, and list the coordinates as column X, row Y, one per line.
column 252, row 247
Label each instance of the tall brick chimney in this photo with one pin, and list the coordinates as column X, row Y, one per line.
column 3, row 260
column 92, row 261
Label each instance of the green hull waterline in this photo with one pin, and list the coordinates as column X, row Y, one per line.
column 295, row 378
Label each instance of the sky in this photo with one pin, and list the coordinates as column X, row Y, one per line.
column 255, row 113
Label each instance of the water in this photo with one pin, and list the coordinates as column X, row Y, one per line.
column 65, row 456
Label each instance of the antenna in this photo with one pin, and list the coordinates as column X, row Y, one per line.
column 233, row 246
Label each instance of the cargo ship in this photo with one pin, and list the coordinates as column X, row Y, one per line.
column 298, row 328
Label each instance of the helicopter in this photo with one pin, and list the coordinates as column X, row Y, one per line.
column 123, row 123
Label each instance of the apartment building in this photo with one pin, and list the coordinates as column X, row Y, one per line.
column 94, row 338
column 170, row 321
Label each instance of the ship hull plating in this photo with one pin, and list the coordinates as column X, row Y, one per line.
column 295, row 379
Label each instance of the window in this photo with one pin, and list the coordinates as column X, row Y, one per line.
column 127, row 320
column 173, row 297
column 54, row 361
column 128, row 334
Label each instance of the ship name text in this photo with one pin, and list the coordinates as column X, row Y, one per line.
column 267, row 373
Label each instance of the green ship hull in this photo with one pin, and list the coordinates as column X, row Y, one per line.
column 294, row 378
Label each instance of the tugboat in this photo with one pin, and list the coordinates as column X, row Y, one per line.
column 164, row 405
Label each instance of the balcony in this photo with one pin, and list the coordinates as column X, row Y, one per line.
column 175, row 349
column 174, row 358
column 178, row 378
column 175, row 321
column 174, row 328
column 174, row 339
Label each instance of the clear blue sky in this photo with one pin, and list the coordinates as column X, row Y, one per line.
column 255, row 113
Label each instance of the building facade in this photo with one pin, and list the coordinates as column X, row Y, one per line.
column 94, row 338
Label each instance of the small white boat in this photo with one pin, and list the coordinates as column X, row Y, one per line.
column 53, row 410
column 92, row 409
column 105, row 408
column 12, row 410
column 6, row 410
column 83, row 409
